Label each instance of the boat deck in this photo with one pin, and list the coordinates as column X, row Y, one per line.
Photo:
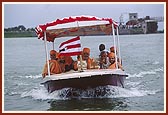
column 86, row 73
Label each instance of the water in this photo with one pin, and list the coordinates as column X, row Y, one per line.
column 143, row 61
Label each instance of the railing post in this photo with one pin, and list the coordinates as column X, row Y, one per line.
column 46, row 51
column 119, row 54
column 115, row 46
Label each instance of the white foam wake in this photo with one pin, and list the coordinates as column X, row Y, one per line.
column 31, row 76
column 143, row 73
column 99, row 92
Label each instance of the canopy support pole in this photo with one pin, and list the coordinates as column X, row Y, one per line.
column 46, row 51
column 115, row 46
column 81, row 63
column 119, row 54
column 53, row 45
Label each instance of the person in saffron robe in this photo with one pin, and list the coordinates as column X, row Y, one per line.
column 54, row 65
column 85, row 57
column 91, row 64
column 112, row 50
column 66, row 63
column 112, row 61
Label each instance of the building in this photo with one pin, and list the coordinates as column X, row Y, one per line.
column 137, row 25
column 149, row 26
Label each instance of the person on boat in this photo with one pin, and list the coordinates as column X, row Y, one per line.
column 67, row 63
column 112, row 61
column 103, row 62
column 78, row 57
column 113, row 51
column 91, row 64
column 57, row 55
column 54, row 65
column 86, row 57
column 102, row 47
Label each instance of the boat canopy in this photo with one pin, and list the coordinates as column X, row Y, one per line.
column 75, row 26
column 78, row 26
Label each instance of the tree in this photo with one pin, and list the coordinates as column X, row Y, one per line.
column 21, row 28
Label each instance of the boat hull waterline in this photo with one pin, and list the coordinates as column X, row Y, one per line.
column 93, row 80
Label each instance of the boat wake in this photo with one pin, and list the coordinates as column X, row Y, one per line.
column 31, row 76
column 143, row 73
column 98, row 92
column 132, row 89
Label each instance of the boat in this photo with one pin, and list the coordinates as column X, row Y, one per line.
column 81, row 26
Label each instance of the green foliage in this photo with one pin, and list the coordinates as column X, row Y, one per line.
column 19, row 34
column 19, row 31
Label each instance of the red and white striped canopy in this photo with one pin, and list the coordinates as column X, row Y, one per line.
column 52, row 32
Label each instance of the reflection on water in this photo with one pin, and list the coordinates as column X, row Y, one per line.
column 92, row 104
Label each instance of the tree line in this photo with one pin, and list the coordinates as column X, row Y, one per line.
column 19, row 28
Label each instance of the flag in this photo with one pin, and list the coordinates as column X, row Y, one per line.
column 70, row 47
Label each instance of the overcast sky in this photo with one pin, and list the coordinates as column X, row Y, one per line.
column 31, row 15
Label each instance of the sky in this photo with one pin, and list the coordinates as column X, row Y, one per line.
column 32, row 14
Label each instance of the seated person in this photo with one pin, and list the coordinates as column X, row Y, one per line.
column 103, row 60
column 57, row 55
column 66, row 63
column 103, row 48
column 90, row 63
column 54, row 65
column 112, row 50
column 86, row 57
column 112, row 65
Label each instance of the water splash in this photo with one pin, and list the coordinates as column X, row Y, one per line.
column 31, row 76
column 98, row 92
column 155, row 63
column 143, row 73
column 39, row 94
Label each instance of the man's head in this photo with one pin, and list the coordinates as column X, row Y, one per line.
column 86, row 53
column 112, row 49
column 62, row 59
column 53, row 54
column 101, row 47
column 111, row 57
column 103, row 55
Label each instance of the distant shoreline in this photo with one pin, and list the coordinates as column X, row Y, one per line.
column 19, row 34
column 33, row 34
